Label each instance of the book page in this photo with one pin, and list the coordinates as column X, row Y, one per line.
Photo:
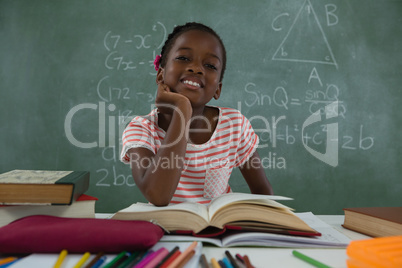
column 230, row 198
column 33, row 176
column 330, row 238
column 190, row 238
column 328, row 233
column 194, row 208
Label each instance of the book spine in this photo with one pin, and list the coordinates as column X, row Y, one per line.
column 80, row 182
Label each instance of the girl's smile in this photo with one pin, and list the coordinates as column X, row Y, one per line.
column 192, row 83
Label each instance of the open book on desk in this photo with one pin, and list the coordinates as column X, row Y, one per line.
column 330, row 237
column 234, row 211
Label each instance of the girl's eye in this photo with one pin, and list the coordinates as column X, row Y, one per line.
column 210, row 66
column 182, row 58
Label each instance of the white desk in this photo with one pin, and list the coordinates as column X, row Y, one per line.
column 282, row 257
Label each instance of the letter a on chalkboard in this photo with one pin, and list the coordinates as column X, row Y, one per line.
column 305, row 40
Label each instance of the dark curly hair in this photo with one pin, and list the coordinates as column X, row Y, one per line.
column 178, row 30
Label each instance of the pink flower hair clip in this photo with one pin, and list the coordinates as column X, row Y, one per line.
column 157, row 62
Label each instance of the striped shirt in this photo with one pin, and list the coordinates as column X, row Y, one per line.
column 207, row 167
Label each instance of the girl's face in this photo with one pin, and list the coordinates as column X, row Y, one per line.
column 193, row 67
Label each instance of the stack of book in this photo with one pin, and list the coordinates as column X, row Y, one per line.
column 39, row 192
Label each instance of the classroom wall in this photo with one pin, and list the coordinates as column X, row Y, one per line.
column 73, row 73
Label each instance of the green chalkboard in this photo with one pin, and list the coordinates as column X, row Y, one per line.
column 73, row 73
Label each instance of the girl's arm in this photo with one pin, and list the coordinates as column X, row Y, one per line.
column 157, row 175
column 254, row 174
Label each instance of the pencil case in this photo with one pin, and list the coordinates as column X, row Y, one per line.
column 50, row 234
column 384, row 252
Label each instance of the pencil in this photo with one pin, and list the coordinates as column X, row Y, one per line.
column 160, row 254
column 99, row 262
column 203, row 261
column 7, row 260
column 222, row 264
column 146, row 259
column 185, row 259
column 309, row 260
column 116, row 259
column 183, row 255
column 215, row 263
column 227, row 263
column 247, row 262
column 10, row 263
column 176, row 248
column 60, row 259
column 133, row 259
column 240, row 260
column 83, row 259
column 94, row 260
column 231, row 259
column 171, row 259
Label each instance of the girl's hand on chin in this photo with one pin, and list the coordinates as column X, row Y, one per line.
column 167, row 101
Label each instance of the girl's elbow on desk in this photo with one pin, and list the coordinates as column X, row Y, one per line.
column 156, row 198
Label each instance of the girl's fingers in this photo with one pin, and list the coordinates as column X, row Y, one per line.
column 163, row 87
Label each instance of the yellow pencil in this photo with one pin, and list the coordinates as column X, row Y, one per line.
column 60, row 259
column 214, row 263
column 83, row 259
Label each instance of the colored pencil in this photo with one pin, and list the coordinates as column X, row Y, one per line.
column 240, row 258
column 227, row 263
column 160, row 254
column 183, row 255
column 99, row 262
column 61, row 258
column 222, row 264
column 309, row 260
column 134, row 258
column 83, row 259
column 186, row 259
column 247, row 262
column 176, row 248
column 171, row 259
column 116, row 259
column 8, row 264
column 203, row 261
column 94, row 260
column 215, row 263
column 231, row 259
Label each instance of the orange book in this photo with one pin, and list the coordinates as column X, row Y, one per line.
column 383, row 252
column 374, row 221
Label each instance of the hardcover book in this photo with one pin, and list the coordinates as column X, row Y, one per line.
column 42, row 187
column 374, row 221
column 83, row 207
column 234, row 211
column 330, row 237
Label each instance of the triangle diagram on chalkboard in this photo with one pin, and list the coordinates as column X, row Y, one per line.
column 305, row 40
